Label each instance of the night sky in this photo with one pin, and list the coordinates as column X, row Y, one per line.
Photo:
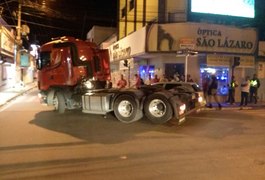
column 61, row 17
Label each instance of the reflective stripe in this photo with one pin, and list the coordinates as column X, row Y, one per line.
column 254, row 83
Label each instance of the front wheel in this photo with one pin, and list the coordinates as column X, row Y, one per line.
column 59, row 102
column 158, row 109
column 126, row 109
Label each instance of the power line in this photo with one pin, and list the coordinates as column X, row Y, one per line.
column 43, row 25
column 6, row 2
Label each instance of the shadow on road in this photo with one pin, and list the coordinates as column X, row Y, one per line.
column 96, row 128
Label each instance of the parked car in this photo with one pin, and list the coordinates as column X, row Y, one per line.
column 189, row 92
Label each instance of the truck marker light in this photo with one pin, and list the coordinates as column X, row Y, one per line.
column 200, row 99
column 182, row 109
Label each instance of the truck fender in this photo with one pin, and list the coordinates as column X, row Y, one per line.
column 174, row 101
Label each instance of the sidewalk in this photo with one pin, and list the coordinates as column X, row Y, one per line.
column 9, row 92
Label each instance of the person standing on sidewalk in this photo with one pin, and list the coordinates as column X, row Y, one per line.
column 232, row 86
column 122, row 83
column 212, row 92
column 137, row 83
column 254, row 85
column 245, row 86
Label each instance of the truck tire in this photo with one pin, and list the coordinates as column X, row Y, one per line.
column 59, row 102
column 126, row 109
column 158, row 109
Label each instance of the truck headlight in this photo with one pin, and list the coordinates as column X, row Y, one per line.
column 89, row 85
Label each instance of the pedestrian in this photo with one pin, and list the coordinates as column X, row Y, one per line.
column 122, row 83
column 182, row 78
column 212, row 92
column 164, row 78
column 148, row 80
column 137, row 83
column 254, row 85
column 156, row 79
column 205, row 86
column 231, row 90
column 189, row 79
column 245, row 87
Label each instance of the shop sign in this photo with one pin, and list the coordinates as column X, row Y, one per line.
column 226, row 61
column 24, row 60
column 7, row 44
column 208, row 38
column 130, row 46
column 187, row 43
column 218, row 60
column 121, row 53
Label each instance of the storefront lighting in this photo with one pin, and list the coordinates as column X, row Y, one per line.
column 210, row 70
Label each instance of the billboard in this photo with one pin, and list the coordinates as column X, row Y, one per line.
column 237, row 8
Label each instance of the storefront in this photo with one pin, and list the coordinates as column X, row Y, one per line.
column 7, row 42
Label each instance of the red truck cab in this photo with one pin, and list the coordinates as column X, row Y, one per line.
column 65, row 61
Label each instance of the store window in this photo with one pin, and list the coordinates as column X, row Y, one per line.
column 146, row 70
column 221, row 74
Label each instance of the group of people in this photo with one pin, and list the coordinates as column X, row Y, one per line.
column 138, row 81
column 122, row 83
column 249, row 90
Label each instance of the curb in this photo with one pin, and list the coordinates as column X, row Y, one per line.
column 18, row 94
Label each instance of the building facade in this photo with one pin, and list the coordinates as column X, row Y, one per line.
column 163, row 38
column 7, row 53
column 9, row 64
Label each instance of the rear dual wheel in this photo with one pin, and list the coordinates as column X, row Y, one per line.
column 158, row 109
column 126, row 109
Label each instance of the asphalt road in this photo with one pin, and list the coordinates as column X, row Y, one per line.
column 37, row 143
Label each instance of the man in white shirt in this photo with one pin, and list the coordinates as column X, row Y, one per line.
column 245, row 86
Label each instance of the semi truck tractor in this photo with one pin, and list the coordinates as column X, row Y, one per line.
column 73, row 73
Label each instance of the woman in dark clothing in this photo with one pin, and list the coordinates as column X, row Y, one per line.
column 212, row 92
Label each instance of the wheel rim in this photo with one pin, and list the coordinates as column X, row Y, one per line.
column 125, row 108
column 157, row 108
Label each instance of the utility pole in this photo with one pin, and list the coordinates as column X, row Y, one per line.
column 19, row 43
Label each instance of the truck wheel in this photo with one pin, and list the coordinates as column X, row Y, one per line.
column 158, row 109
column 126, row 110
column 59, row 102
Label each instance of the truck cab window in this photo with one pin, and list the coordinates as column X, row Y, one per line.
column 44, row 60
